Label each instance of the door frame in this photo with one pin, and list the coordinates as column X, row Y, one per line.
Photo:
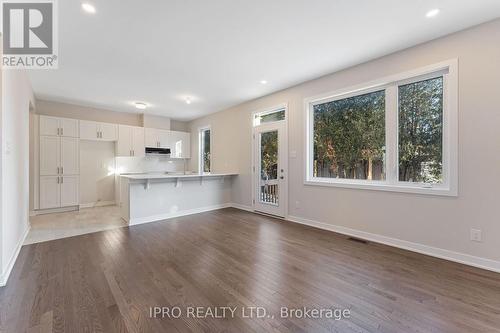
column 253, row 167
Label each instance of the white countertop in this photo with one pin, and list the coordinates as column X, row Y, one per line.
column 146, row 176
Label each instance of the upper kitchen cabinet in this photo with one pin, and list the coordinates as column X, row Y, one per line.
column 55, row 126
column 130, row 141
column 179, row 144
column 92, row 130
column 156, row 138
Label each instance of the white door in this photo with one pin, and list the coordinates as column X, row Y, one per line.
column 69, row 191
column 109, row 132
column 270, row 183
column 49, row 126
column 88, row 130
column 69, row 156
column 50, row 196
column 50, row 161
column 124, row 145
column 138, row 149
column 69, row 127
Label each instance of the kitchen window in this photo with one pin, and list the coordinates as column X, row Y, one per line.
column 204, row 149
column 395, row 134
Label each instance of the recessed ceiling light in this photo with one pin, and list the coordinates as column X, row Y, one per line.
column 263, row 82
column 188, row 100
column 88, row 8
column 140, row 105
column 432, row 12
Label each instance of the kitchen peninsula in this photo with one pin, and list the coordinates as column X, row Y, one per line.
column 152, row 197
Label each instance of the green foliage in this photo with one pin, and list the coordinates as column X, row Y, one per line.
column 349, row 137
column 421, row 131
column 269, row 155
column 206, row 151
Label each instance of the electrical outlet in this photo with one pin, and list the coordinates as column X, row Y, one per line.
column 476, row 235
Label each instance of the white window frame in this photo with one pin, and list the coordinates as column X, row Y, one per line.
column 449, row 71
column 200, row 149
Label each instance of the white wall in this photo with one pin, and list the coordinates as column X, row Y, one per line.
column 439, row 224
column 16, row 98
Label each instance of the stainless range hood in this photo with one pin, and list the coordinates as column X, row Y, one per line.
column 157, row 151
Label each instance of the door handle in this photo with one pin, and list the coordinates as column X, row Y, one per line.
column 281, row 177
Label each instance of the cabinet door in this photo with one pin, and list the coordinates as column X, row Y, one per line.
column 151, row 137
column 70, row 156
column 49, row 126
column 164, row 138
column 50, row 196
column 50, row 149
column 109, row 132
column 69, row 191
column 124, row 144
column 69, row 127
column 138, row 149
column 88, row 130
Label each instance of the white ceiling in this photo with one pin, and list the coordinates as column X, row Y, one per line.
column 218, row 51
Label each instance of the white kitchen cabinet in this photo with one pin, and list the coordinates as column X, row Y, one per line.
column 55, row 126
column 58, row 191
column 130, row 141
column 59, row 156
column 156, row 138
column 109, row 132
column 50, row 192
column 70, row 151
column 50, row 155
column 180, row 146
column 96, row 131
column 69, row 191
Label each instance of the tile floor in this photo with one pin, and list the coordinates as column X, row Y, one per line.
column 60, row 225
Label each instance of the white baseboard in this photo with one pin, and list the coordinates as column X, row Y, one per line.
column 462, row 258
column 97, row 204
column 160, row 217
column 242, row 207
column 4, row 277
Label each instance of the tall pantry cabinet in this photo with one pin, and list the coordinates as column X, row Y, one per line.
column 59, row 162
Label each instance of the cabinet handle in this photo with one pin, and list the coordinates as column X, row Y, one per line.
column 100, row 134
column 62, row 131
column 130, row 152
column 62, row 180
column 62, row 170
column 58, row 180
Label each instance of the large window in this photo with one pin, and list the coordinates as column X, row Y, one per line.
column 204, row 156
column 399, row 134
column 349, row 137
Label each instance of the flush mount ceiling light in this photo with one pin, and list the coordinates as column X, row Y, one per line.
column 263, row 82
column 188, row 100
column 432, row 13
column 140, row 105
column 88, row 8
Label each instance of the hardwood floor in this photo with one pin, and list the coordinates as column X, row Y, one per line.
column 107, row 281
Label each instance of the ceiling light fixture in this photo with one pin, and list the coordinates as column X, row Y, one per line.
column 432, row 12
column 140, row 105
column 88, row 8
column 263, row 82
column 188, row 100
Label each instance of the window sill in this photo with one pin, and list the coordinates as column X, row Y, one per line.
column 381, row 186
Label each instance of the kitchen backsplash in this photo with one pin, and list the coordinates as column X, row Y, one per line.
column 148, row 164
